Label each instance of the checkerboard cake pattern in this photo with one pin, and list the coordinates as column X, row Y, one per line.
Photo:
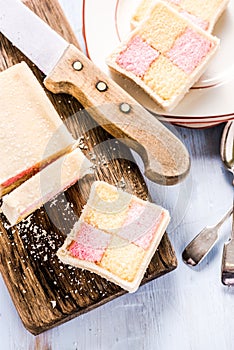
column 116, row 235
column 165, row 55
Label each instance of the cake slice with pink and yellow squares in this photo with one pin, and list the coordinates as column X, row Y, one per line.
column 165, row 55
column 203, row 13
column 116, row 236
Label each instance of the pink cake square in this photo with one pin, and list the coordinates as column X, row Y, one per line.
column 189, row 50
column 90, row 243
column 131, row 58
column 196, row 20
column 146, row 238
column 176, row 2
column 141, row 224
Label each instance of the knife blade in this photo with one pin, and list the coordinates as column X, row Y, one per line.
column 68, row 70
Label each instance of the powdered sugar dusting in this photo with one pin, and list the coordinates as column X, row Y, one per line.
column 41, row 245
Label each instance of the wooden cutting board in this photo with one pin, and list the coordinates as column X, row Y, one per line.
column 45, row 292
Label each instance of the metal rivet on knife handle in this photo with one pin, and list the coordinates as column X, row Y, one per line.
column 125, row 107
column 77, row 65
column 101, row 86
column 165, row 158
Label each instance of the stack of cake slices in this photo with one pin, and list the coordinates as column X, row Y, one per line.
column 39, row 155
column 169, row 48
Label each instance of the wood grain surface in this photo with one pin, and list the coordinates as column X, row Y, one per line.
column 45, row 292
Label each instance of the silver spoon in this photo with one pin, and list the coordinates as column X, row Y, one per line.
column 227, row 155
column 202, row 244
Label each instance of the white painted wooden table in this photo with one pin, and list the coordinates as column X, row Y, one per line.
column 186, row 309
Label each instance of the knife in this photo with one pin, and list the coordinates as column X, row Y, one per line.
column 68, row 70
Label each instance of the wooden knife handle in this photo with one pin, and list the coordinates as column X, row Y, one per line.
column 165, row 158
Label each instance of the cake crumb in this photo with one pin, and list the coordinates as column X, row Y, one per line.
column 53, row 303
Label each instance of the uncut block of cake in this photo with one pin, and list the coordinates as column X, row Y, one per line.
column 45, row 185
column 116, row 236
column 31, row 132
column 165, row 55
column 203, row 13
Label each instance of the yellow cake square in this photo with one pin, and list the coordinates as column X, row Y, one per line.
column 104, row 221
column 108, row 200
column 162, row 28
column 205, row 9
column 161, row 78
column 122, row 258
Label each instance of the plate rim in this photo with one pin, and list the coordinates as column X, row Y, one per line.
column 182, row 120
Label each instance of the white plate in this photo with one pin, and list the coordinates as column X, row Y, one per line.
column 208, row 103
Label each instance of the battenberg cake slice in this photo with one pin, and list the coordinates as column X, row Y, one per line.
column 45, row 185
column 165, row 55
column 31, row 132
column 203, row 13
column 116, row 236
